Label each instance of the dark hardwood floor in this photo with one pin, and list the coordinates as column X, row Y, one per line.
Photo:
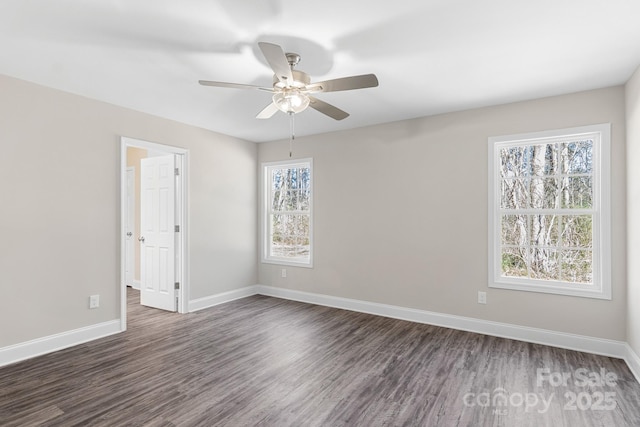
column 270, row 362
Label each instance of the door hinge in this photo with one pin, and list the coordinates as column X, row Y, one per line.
column 177, row 286
column 177, row 171
column 177, row 228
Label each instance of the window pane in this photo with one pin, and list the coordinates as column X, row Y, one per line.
column 297, row 178
column 544, row 193
column 544, row 230
column 277, row 228
column 551, row 199
column 577, row 157
column 550, row 159
column 278, row 236
column 276, row 179
column 514, row 262
column 515, row 230
column 544, row 159
column 278, row 250
column 514, row 194
column 538, row 196
column 577, row 231
column 290, row 236
column 515, row 161
column 304, row 179
column 544, row 264
column 300, row 249
column 277, row 200
column 292, row 200
column 288, row 224
column 577, row 192
column 302, row 225
column 577, row 266
column 304, row 198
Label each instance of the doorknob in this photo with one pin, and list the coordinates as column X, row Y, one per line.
column 141, row 239
column 129, row 234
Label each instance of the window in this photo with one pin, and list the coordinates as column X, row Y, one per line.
column 549, row 221
column 287, row 225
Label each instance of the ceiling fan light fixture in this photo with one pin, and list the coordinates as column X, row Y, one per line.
column 292, row 89
column 291, row 101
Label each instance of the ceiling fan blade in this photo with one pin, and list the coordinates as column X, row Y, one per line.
column 345, row 83
column 278, row 61
column 328, row 109
column 233, row 85
column 268, row 111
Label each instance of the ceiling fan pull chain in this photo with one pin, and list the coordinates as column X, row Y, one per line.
column 293, row 136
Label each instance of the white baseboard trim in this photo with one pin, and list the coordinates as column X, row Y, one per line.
column 136, row 284
column 611, row 348
column 633, row 361
column 213, row 300
column 27, row 350
column 582, row 343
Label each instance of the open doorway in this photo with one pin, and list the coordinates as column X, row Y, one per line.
column 153, row 189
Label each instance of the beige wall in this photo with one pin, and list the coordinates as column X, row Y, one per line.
column 397, row 221
column 400, row 214
column 60, row 215
column 134, row 155
column 633, row 212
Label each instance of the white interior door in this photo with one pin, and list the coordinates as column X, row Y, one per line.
column 130, row 228
column 157, row 236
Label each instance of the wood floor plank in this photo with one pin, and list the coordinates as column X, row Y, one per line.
column 262, row 361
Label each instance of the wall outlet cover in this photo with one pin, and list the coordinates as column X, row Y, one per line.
column 482, row 297
column 94, row 301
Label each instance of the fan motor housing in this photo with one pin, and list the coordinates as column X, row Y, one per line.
column 300, row 80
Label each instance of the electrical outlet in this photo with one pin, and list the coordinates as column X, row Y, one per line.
column 482, row 297
column 284, row 272
column 94, row 301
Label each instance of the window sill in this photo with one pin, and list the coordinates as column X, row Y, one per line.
column 288, row 263
column 555, row 288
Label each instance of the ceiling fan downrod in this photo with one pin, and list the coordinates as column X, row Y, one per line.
column 293, row 136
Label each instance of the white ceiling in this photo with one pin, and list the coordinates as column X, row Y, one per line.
column 430, row 56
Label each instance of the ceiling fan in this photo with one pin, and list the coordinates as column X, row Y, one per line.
column 292, row 89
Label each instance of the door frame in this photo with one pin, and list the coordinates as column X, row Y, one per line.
column 182, row 247
column 130, row 203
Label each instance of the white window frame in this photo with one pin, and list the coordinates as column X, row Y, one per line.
column 266, row 211
column 601, row 211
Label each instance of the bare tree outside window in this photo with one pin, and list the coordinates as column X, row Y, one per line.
column 541, row 186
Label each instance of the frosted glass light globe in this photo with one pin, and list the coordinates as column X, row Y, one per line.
column 291, row 101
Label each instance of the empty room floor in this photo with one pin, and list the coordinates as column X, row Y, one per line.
column 271, row 362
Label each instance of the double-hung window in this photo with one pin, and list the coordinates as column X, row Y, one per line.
column 549, row 212
column 287, row 212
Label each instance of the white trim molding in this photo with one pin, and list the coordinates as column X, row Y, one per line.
column 213, row 300
column 267, row 211
column 27, row 350
column 633, row 361
column 599, row 212
column 182, row 247
column 582, row 343
column 600, row 346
